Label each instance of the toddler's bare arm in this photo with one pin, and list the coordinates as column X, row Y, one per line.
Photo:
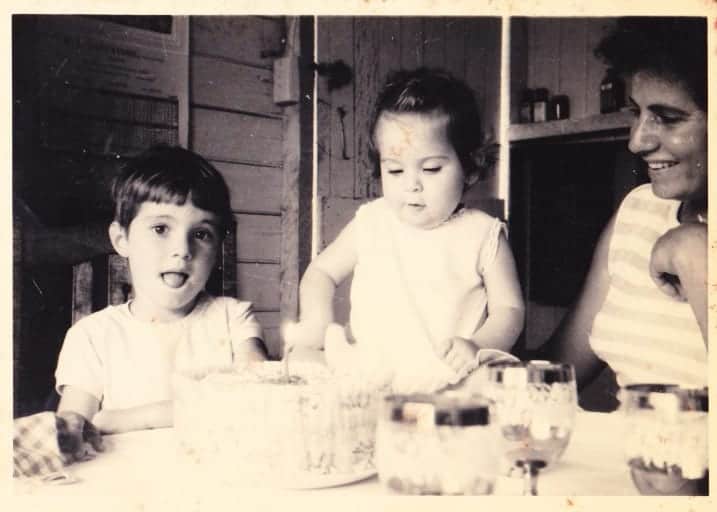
column 506, row 309
column 318, row 286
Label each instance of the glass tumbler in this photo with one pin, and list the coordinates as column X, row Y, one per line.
column 535, row 406
column 666, row 438
column 436, row 444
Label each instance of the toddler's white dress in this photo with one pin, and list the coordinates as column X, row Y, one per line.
column 414, row 287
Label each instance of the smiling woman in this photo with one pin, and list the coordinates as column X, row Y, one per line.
column 643, row 307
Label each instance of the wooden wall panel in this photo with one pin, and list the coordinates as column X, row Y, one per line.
column 271, row 322
column 246, row 39
column 236, row 137
column 259, row 283
column 258, row 238
column 434, row 42
column 235, row 124
column 324, row 111
column 389, row 51
column 245, row 181
column 544, row 42
column 455, row 45
column 558, row 54
column 341, row 136
column 232, row 86
column 411, row 42
column 518, row 64
column 595, row 30
column 482, row 74
column 367, row 84
column 572, row 66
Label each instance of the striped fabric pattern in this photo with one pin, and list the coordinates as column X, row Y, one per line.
column 644, row 335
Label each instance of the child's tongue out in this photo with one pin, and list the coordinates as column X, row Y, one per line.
column 174, row 279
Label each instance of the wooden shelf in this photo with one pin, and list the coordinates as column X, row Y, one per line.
column 615, row 125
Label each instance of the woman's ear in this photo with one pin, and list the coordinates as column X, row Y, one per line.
column 118, row 237
column 472, row 178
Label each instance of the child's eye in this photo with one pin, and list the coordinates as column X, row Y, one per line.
column 394, row 171
column 203, row 235
column 159, row 229
column 432, row 169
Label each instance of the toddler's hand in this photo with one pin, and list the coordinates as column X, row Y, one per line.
column 73, row 431
column 303, row 334
column 339, row 352
column 459, row 354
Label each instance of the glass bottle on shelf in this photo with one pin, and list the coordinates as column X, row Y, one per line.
column 540, row 105
column 525, row 113
column 559, row 107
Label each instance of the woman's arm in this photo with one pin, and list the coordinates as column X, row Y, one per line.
column 154, row 415
column 506, row 310
column 318, row 286
column 678, row 265
column 570, row 343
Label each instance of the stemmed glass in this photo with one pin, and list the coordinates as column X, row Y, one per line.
column 535, row 405
column 666, row 438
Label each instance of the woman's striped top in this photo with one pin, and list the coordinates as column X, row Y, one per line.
column 643, row 334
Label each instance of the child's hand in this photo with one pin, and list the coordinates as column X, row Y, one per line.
column 340, row 354
column 459, row 354
column 73, row 431
column 303, row 334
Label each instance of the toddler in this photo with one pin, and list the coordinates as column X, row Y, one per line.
column 434, row 282
column 172, row 211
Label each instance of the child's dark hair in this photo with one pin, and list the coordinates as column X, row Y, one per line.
column 671, row 48
column 170, row 174
column 425, row 91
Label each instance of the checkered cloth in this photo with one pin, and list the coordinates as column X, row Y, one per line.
column 36, row 450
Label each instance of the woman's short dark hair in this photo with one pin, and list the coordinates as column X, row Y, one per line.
column 673, row 48
column 426, row 91
column 170, row 174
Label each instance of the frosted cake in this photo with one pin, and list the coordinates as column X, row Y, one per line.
column 255, row 427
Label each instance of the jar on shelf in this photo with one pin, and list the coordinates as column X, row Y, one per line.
column 612, row 92
column 540, row 105
column 433, row 444
column 559, row 107
column 525, row 112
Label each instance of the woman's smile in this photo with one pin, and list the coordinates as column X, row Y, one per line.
column 670, row 134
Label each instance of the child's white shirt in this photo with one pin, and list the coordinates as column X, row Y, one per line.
column 412, row 287
column 127, row 362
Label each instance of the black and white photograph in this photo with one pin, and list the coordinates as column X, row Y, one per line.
column 366, row 254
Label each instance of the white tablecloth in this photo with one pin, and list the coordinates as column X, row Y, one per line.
column 146, row 462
